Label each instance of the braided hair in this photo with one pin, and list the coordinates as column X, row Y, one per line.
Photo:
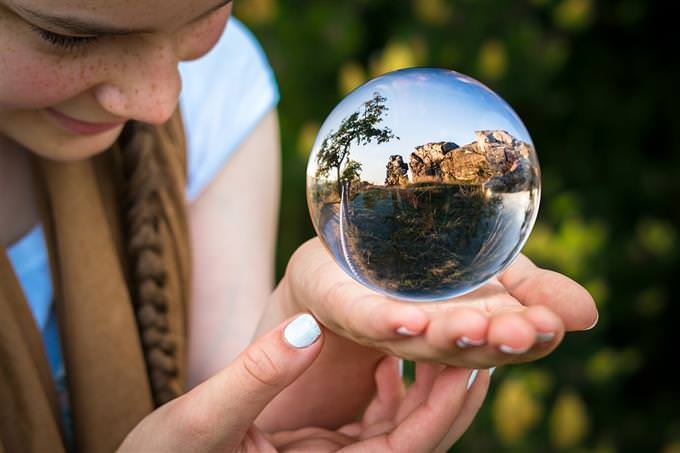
column 141, row 146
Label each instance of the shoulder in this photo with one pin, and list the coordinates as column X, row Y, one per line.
column 224, row 95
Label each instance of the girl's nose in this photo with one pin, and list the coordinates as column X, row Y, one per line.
column 146, row 90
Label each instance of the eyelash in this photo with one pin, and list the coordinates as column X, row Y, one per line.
column 72, row 42
column 62, row 41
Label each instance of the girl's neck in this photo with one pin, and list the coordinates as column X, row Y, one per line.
column 18, row 210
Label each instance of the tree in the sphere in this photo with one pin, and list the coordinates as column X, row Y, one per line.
column 361, row 128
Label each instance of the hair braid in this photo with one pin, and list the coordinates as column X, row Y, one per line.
column 143, row 215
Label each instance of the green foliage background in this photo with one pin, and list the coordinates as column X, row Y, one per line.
column 595, row 86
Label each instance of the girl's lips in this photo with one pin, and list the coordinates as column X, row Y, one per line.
column 80, row 127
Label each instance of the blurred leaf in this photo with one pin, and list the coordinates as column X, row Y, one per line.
column 433, row 12
column 493, row 60
column 515, row 411
column 396, row 55
column 574, row 14
column 673, row 447
column 599, row 290
column 540, row 242
column 565, row 205
column 603, row 366
column 651, row 302
column 555, row 53
column 630, row 12
column 656, row 236
column 539, row 381
column 568, row 420
column 306, row 138
column 603, row 448
column 570, row 248
column 409, row 372
column 256, row 11
column 352, row 74
column 608, row 364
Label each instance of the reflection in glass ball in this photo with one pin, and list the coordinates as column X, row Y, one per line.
column 423, row 184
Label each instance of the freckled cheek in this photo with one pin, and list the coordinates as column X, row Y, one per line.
column 39, row 82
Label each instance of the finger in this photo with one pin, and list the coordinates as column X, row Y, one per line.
column 425, row 427
column 549, row 327
column 256, row 440
column 365, row 314
column 458, row 328
column 513, row 336
column 511, row 333
column 351, row 429
column 312, row 436
column 473, row 402
column 532, row 285
column 426, row 375
column 389, row 393
column 225, row 406
column 338, row 301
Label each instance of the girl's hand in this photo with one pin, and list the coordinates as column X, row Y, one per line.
column 519, row 316
column 430, row 417
column 218, row 415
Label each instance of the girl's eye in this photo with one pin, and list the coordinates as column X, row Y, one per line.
column 65, row 42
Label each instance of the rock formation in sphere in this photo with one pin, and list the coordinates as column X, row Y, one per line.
column 425, row 161
column 495, row 159
column 396, row 171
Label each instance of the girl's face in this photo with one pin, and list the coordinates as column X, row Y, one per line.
column 73, row 71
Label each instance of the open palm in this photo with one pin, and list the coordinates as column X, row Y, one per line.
column 519, row 316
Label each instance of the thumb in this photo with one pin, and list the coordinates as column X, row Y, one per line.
column 232, row 399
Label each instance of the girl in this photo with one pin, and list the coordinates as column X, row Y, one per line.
column 143, row 257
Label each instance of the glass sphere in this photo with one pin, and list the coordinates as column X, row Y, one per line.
column 423, row 184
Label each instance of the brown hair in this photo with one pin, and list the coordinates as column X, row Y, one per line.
column 143, row 148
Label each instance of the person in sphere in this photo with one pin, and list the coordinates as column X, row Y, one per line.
column 138, row 310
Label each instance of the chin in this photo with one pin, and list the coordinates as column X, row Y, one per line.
column 82, row 147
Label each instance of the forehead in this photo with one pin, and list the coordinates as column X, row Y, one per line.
column 134, row 14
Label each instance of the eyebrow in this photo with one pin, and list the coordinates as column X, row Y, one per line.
column 88, row 27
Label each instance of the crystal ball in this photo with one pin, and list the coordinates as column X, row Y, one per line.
column 423, row 184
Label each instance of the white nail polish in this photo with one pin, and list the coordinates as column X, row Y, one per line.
column 472, row 378
column 509, row 350
column 400, row 367
column 543, row 337
column 302, row 331
column 491, row 370
column 402, row 330
column 465, row 342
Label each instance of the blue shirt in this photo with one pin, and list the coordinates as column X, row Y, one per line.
column 224, row 95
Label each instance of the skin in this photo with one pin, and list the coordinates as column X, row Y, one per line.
column 428, row 417
column 133, row 75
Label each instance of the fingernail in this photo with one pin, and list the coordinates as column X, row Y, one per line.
column 400, row 367
column 491, row 370
column 472, row 378
column 509, row 350
column 302, row 331
column 465, row 342
column 543, row 337
column 596, row 321
column 403, row 330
